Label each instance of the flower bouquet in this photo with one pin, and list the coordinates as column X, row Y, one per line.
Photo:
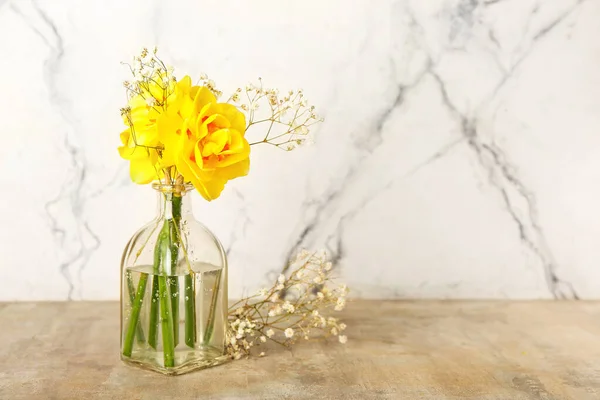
column 181, row 138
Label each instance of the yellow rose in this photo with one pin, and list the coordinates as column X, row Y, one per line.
column 203, row 139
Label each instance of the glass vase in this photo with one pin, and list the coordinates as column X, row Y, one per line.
column 173, row 290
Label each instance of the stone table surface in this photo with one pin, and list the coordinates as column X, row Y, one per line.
column 396, row 350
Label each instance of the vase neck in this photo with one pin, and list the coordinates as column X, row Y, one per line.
column 174, row 201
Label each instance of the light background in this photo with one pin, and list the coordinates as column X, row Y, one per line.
column 460, row 157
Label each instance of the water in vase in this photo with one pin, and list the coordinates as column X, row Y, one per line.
column 182, row 329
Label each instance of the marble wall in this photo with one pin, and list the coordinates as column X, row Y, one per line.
column 460, row 156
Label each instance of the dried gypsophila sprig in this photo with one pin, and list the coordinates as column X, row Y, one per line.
column 148, row 70
column 296, row 306
column 289, row 116
column 155, row 82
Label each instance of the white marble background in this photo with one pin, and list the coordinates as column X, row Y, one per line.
column 460, row 157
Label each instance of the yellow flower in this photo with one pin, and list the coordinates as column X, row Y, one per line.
column 175, row 124
column 142, row 160
column 177, row 118
column 203, row 139
column 140, row 140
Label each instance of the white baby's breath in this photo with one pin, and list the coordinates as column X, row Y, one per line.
column 287, row 306
column 340, row 304
column 296, row 306
column 288, row 115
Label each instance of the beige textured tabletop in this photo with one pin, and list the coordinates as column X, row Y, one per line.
column 396, row 350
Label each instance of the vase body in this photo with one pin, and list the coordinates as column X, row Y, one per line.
column 173, row 290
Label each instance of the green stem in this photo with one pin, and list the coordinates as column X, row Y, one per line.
column 131, row 290
column 153, row 328
column 190, row 313
column 166, row 317
column 210, row 324
column 174, row 289
column 166, row 322
column 135, row 315
column 174, row 225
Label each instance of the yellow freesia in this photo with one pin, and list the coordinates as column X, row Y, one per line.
column 142, row 160
column 140, row 140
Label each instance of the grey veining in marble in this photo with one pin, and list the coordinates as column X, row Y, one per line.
column 458, row 159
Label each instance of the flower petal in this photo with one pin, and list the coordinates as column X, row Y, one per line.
column 203, row 97
column 216, row 142
column 142, row 170
column 237, row 119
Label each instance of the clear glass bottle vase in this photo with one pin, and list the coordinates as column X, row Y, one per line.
column 173, row 290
